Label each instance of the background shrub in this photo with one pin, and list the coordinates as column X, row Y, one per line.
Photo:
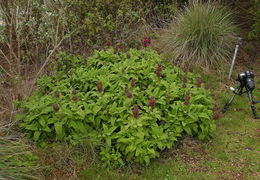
column 203, row 34
column 128, row 104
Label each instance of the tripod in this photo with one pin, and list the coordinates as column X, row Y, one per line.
column 239, row 91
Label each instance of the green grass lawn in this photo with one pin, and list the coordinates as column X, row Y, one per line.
column 234, row 152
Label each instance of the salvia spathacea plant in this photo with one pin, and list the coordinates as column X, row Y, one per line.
column 130, row 107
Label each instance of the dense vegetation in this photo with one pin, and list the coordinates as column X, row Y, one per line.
column 130, row 105
column 101, row 102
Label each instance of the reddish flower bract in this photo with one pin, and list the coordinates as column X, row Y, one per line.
column 47, row 92
column 129, row 94
column 147, row 41
column 56, row 107
column 216, row 116
column 74, row 91
column 187, row 98
column 152, row 101
column 126, row 89
column 99, row 86
column 184, row 80
column 133, row 82
column 136, row 111
column 159, row 70
column 75, row 98
column 57, row 95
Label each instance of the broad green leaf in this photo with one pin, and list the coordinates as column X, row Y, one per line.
column 203, row 115
column 96, row 109
column 42, row 121
column 36, row 135
column 58, row 129
column 147, row 160
column 108, row 141
column 32, row 127
column 130, row 148
column 188, row 130
column 46, row 129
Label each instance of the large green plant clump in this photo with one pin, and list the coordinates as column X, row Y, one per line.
column 202, row 34
column 130, row 105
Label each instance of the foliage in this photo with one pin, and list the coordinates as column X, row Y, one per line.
column 16, row 161
column 129, row 105
column 37, row 27
column 203, row 34
column 255, row 10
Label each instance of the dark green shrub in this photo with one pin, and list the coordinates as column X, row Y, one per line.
column 129, row 105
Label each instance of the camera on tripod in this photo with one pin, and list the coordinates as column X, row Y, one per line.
column 247, row 82
column 246, row 79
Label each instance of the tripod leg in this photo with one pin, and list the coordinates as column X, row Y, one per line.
column 231, row 99
column 251, row 102
column 241, row 91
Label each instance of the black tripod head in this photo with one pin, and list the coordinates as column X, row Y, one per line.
column 246, row 80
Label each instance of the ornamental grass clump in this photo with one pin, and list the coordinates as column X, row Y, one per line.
column 202, row 34
column 128, row 117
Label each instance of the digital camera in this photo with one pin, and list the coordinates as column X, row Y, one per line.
column 246, row 79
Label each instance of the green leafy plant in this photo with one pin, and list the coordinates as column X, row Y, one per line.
column 130, row 105
column 203, row 34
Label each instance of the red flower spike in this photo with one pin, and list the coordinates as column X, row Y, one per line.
column 158, row 74
column 206, row 86
column 56, row 107
column 185, row 70
column 168, row 96
column 75, row 98
column 186, row 103
column 47, row 92
column 108, row 113
column 126, row 89
column 147, row 41
column 128, row 56
column 187, row 98
column 57, row 95
column 216, row 116
column 133, row 82
column 108, row 43
column 74, row 91
column 198, row 85
column 188, row 93
column 184, row 80
column 184, row 86
column 136, row 111
column 129, row 94
column 159, row 70
column 199, row 80
column 152, row 101
column 99, row 86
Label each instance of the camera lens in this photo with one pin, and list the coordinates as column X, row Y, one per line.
column 250, row 84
